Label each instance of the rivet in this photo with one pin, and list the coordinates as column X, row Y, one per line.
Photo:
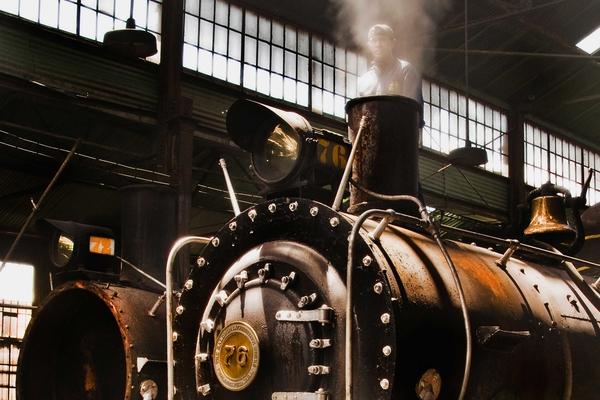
column 293, row 206
column 232, row 226
column 221, row 297
column 334, row 221
column 384, row 383
column 378, row 288
column 189, row 284
column 252, row 214
column 175, row 336
column 215, row 242
column 367, row 260
column 208, row 325
column 385, row 318
column 179, row 310
column 314, row 211
column 387, row 350
column 201, row 262
column 272, row 208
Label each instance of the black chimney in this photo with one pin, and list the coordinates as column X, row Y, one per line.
column 387, row 156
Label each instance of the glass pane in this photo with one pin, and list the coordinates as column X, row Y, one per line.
column 317, row 100
column 192, row 6
column 233, row 71
column 328, row 53
column 235, row 18
column 49, row 13
column 277, row 59
column 10, row 6
column 317, row 74
column 277, row 33
column 220, row 67
column 68, row 17
column 249, row 77
column 222, row 13
column 264, row 55
column 351, row 62
column 220, row 39
column 251, row 27
column 140, row 10
column 106, row 6
column 328, row 78
column 122, row 8
column 250, row 50
column 29, row 9
column 350, row 85
column 88, row 3
column 302, row 94
column 154, row 14
column 264, row 29
column 290, row 65
column 317, row 49
column 206, row 34
column 303, row 69
column 290, row 38
column 105, row 24
column 303, row 42
column 263, row 81
column 340, row 82
column 328, row 103
column 87, row 27
column 276, row 86
column 207, row 9
column 190, row 30
column 289, row 90
column 205, row 62
column 235, row 45
column 190, row 57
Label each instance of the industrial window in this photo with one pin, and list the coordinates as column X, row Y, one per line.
column 16, row 296
column 450, row 121
column 244, row 48
column 550, row 157
column 89, row 19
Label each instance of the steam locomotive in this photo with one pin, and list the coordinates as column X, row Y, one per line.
column 293, row 299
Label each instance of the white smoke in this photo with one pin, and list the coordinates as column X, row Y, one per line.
column 413, row 21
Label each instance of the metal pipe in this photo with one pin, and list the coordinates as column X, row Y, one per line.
column 483, row 52
column 139, row 271
column 337, row 203
column 181, row 242
column 232, row 197
column 36, row 206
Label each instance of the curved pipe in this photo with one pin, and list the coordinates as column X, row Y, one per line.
column 179, row 244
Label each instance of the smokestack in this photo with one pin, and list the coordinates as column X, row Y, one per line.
column 387, row 156
column 148, row 215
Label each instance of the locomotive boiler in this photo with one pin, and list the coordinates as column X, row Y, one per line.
column 293, row 299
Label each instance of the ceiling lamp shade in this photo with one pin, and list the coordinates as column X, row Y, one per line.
column 131, row 42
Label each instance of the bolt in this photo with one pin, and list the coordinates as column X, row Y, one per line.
column 252, row 214
column 387, row 350
column 189, row 284
column 204, row 390
column 384, row 383
column 215, row 242
column 314, row 211
column 201, row 262
column 179, row 310
column 272, row 208
column 334, row 221
column 385, row 318
column 233, row 226
column 175, row 336
column 367, row 260
column 378, row 288
column 293, row 206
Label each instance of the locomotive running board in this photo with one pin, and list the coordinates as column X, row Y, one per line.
column 318, row 395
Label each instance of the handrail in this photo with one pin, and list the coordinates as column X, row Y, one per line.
column 181, row 242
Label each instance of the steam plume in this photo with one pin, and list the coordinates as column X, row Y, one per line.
column 413, row 21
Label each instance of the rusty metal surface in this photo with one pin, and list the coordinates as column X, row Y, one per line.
column 92, row 341
column 387, row 157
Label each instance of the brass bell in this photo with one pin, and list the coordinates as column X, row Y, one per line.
column 549, row 220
